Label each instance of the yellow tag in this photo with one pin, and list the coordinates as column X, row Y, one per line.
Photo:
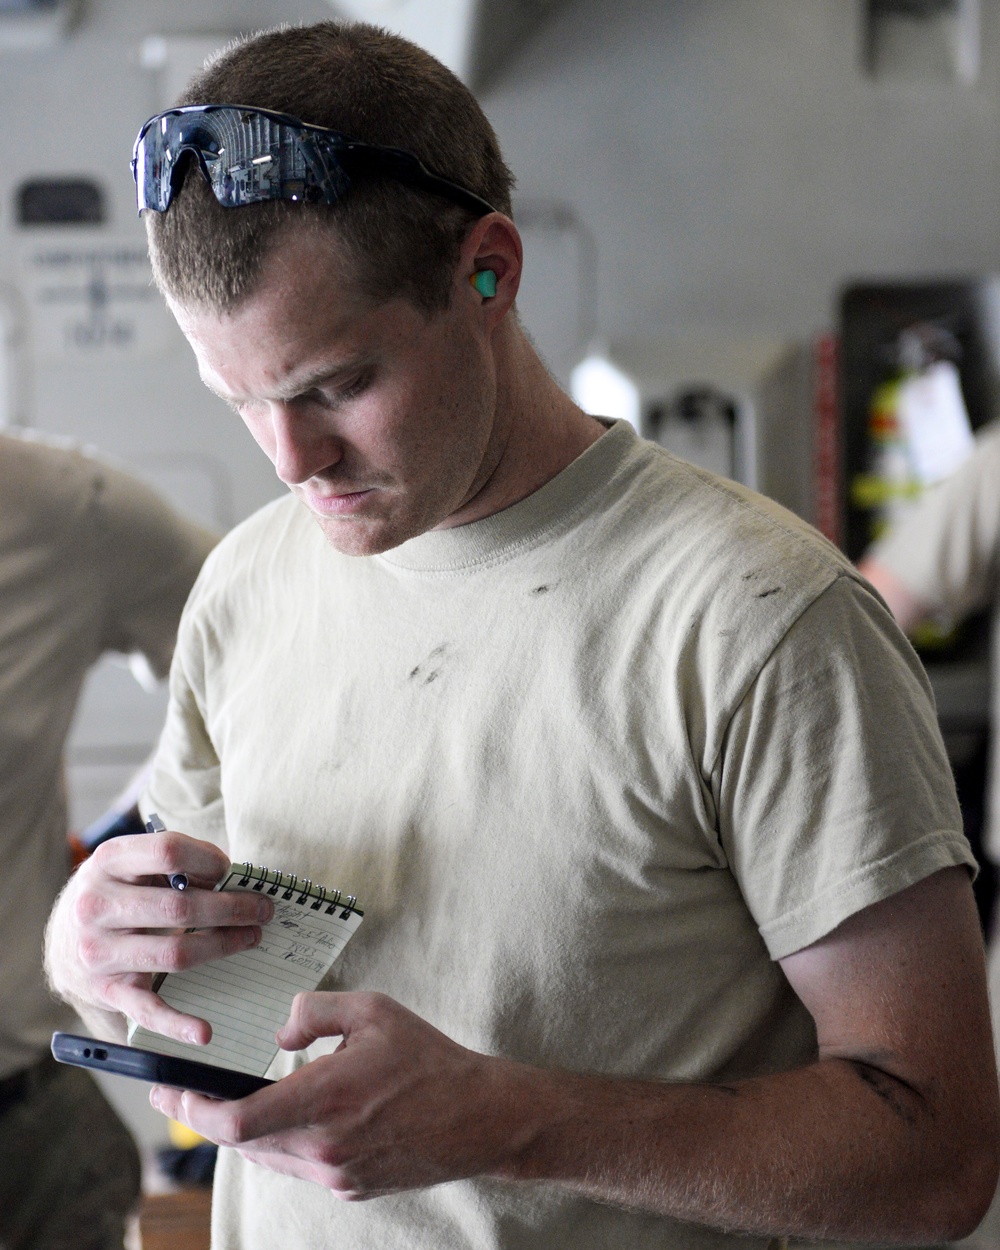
column 183, row 1137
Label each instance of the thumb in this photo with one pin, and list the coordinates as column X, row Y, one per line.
column 315, row 1014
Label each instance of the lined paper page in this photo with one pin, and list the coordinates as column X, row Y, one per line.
column 247, row 997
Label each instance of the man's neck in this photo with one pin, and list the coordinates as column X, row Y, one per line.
column 541, row 431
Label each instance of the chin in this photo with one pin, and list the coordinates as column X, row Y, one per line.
column 357, row 538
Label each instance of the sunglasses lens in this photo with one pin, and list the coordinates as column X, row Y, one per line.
column 151, row 190
column 246, row 156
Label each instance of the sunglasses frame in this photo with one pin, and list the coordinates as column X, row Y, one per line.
column 325, row 161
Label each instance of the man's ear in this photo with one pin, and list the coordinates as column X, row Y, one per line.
column 492, row 247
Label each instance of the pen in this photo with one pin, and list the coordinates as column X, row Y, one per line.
column 178, row 880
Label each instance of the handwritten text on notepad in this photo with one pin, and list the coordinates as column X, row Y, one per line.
column 247, row 997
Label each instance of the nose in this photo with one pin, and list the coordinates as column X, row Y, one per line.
column 300, row 445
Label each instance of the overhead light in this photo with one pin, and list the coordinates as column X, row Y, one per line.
column 599, row 386
column 604, row 390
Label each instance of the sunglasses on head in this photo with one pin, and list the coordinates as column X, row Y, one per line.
column 251, row 154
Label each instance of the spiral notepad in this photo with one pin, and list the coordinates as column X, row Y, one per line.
column 247, row 997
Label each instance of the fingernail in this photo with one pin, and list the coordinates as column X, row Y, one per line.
column 154, row 1097
column 252, row 937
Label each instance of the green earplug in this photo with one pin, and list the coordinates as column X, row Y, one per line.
column 485, row 282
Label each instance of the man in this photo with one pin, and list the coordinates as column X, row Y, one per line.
column 91, row 560
column 668, row 927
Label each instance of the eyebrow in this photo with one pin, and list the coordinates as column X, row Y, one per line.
column 302, row 385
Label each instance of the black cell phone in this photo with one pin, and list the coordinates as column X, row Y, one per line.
column 147, row 1065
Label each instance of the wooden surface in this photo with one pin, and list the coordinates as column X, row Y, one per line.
column 176, row 1221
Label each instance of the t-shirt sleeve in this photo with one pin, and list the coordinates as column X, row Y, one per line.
column 153, row 555
column 835, row 791
column 185, row 781
column 946, row 551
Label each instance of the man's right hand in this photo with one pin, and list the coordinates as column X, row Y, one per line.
column 117, row 923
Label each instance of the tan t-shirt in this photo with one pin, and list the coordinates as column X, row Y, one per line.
column 591, row 765
column 90, row 561
column 946, row 552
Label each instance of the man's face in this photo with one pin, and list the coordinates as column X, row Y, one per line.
column 380, row 419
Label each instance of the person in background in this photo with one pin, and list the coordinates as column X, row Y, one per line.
column 942, row 562
column 91, row 560
column 669, row 936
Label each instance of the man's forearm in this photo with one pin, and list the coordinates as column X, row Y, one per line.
column 837, row 1149
column 891, row 1135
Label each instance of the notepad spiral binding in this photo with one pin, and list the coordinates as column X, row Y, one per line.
column 327, row 901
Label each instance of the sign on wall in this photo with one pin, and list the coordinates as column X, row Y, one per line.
column 93, row 300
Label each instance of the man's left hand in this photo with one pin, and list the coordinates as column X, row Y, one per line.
column 397, row 1106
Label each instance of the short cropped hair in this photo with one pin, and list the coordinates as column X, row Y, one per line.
column 370, row 85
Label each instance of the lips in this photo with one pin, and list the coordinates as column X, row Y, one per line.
column 333, row 505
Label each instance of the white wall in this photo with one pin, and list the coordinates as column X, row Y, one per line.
column 736, row 163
